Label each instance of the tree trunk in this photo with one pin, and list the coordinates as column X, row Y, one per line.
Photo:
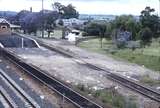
column 101, row 42
column 48, row 34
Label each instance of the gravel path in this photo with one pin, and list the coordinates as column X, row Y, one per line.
column 64, row 68
column 120, row 67
column 72, row 71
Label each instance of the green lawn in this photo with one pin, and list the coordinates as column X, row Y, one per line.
column 149, row 56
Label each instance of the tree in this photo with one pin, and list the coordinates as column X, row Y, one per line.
column 70, row 12
column 96, row 29
column 19, row 17
column 109, row 30
column 31, row 23
column 49, row 20
column 59, row 8
column 92, row 29
column 127, row 22
column 145, row 36
column 102, row 31
column 150, row 20
column 66, row 12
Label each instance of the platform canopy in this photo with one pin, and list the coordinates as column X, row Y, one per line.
column 15, row 26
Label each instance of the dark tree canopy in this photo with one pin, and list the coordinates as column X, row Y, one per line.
column 32, row 21
column 145, row 36
column 66, row 12
column 150, row 20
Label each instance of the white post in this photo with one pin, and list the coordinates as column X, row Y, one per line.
column 22, row 42
column 42, row 18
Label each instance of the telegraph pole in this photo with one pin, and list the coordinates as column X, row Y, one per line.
column 42, row 18
column 159, row 8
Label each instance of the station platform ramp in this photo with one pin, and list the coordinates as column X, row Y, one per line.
column 16, row 41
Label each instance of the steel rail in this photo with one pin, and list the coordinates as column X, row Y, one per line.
column 146, row 91
column 7, row 98
column 74, row 97
column 29, row 102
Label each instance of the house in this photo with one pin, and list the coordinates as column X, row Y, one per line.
column 5, row 28
column 73, row 34
column 71, row 22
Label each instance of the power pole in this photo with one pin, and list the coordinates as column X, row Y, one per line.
column 159, row 8
column 42, row 18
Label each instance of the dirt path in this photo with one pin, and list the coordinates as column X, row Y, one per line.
column 124, row 68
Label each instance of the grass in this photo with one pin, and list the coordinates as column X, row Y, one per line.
column 146, row 79
column 149, row 61
column 149, row 56
column 109, row 97
column 115, row 99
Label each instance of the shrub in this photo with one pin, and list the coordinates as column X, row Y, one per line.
column 92, row 29
column 145, row 36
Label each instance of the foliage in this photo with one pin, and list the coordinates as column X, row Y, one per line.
column 102, row 31
column 65, row 12
column 150, row 20
column 148, row 56
column 33, row 21
column 126, row 22
column 92, row 29
column 49, row 21
column 70, row 12
column 60, row 23
column 18, row 19
column 58, row 7
column 146, row 79
column 96, row 29
column 145, row 36
column 109, row 29
column 114, row 98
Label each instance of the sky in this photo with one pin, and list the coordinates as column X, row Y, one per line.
column 114, row 7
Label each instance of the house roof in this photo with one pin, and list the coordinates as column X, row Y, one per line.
column 2, row 20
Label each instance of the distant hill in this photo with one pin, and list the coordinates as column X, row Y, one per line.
column 100, row 17
column 7, row 13
column 96, row 17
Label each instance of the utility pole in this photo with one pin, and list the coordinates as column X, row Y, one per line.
column 42, row 18
column 159, row 8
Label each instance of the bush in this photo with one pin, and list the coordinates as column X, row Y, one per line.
column 145, row 36
column 92, row 29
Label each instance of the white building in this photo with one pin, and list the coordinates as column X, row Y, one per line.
column 71, row 22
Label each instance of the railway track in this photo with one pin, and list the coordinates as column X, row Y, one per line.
column 27, row 100
column 74, row 97
column 146, row 91
column 6, row 100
